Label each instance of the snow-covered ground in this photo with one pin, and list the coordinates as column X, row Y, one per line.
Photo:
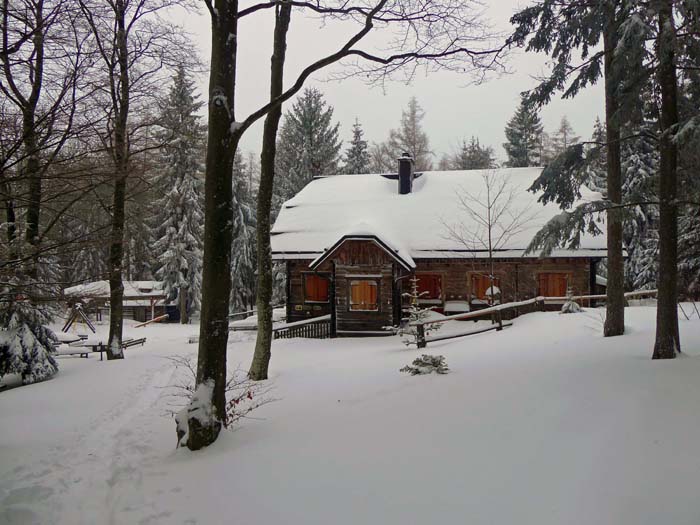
column 546, row 422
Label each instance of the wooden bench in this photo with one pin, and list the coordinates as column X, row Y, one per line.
column 133, row 342
column 100, row 347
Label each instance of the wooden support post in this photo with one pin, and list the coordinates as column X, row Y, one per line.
column 499, row 320
column 420, row 329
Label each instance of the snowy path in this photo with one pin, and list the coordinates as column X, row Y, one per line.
column 545, row 423
column 98, row 470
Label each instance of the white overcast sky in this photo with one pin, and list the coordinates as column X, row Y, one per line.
column 454, row 109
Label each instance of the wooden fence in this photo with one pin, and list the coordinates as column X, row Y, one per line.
column 316, row 328
column 496, row 314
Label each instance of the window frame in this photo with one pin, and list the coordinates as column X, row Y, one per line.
column 498, row 278
column 372, row 282
column 324, row 275
column 432, row 300
column 567, row 274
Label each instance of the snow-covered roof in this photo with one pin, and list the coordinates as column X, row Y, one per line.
column 132, row 289
column 414, row 225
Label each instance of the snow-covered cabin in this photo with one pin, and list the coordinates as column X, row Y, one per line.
column 351, row 242
column 143, row 300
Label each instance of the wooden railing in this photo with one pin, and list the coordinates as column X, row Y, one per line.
column 316, row 328
column 249, row 312
column 496, row 314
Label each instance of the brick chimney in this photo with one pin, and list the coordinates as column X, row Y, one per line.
column 405, row 174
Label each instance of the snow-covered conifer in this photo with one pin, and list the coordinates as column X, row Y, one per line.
column 523, row 134
column 308, row 144
column 410, row 138
column 243, row 261
column 26, row 344
column 180, row 218
column 473, row 156
column 357, row 157
column 597, row 169
column 639, row 171
column 563, row 137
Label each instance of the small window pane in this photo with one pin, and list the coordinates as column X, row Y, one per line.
column 429, row 286
column 553, row 284
column 480, row 284
column 316, row 288
column 363, row 295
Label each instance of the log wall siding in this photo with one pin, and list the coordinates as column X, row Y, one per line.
column 359, row 320
column 297, row 309
column 362, row 258
column 365, row 258
column 520, row 274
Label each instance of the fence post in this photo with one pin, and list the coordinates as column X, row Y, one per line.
column 420, row 332
column 499, row 319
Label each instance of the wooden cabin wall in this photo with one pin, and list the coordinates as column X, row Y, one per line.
column 515, row 275
column 297, row 309
column 518, row 281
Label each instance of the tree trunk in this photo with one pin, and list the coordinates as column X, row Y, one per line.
column 116, row 286
column 261, row 358
column 615, row 301
column 120, row 157
column 32, row 172
column 184, row 314
column 222, row 141
column 667, row 337
column 11, row 219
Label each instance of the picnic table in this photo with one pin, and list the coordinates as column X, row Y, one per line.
column 96, row 345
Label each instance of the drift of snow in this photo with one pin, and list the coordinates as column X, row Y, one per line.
column 546, row 422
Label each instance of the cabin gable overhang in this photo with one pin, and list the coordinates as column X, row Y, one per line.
column 407, row 265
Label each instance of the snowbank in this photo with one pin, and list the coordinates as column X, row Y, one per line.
column 544, row 423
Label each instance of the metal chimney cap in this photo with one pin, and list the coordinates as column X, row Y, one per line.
column 405, row 156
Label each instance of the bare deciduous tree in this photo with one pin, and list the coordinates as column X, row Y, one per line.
column 490, row 219
column 133, row 44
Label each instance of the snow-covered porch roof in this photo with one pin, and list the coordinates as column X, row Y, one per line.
column 132, row 290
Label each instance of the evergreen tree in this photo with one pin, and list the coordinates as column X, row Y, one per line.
column 563, row 137
column 473, row 156
column 639, row 169
column 523, row 134
column 26, row 345
column 180, row 217
column 243, row 249
column 689, row 160
column 357, row 157
column 410, row 138
column 307, row 145
column 597, row 169
column 571, row 34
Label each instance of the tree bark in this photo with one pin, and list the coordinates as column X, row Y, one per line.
column 10, row 218
column 222, row 141
column 120, row 157
column 667, row 342
column 184, row 314
column 615, row 301
column 261, row 358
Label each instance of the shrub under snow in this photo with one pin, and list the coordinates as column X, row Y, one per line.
column 243, row 395
column 427, row 364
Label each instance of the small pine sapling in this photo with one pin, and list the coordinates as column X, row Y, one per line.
column 416, row 315
column 427, row 364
